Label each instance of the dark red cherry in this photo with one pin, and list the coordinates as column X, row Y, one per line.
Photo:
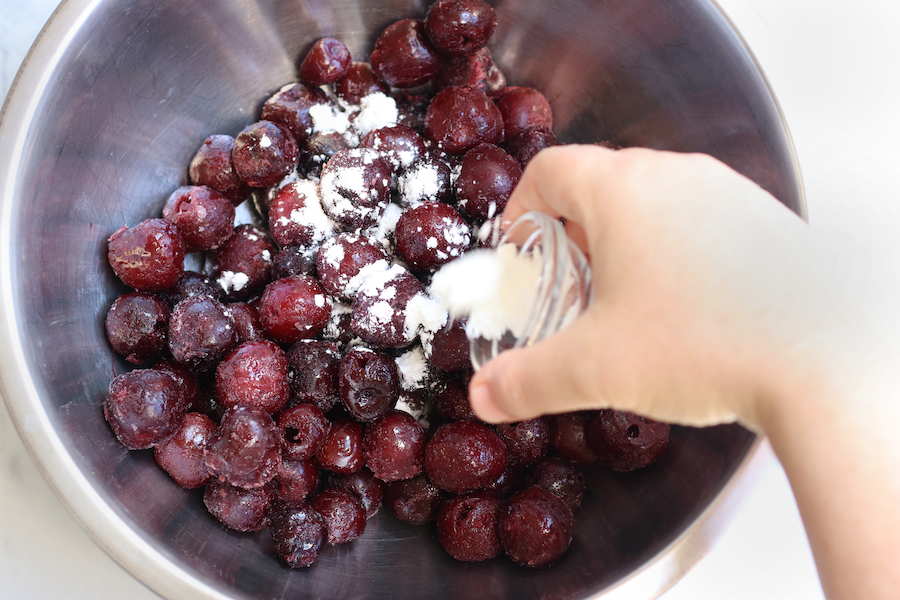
column 299, row 532
column 625, row 441
column 344, row 261
column 144, row 407
column 344, row 514
column 296, row 217
column 148, row 256
column 450, row 348
column 356, row 187
column 327, row 61
column 204, row 218
column 431, row 234
column 364, row 484
column 526, row 441
column 181, row 456
column 467, row 526
column 342, row 449
column 369, row 383
column 560, row 476
column 212, row 166
column 527, row 143
column 535, row 527
column 464, row 456
column 245, row 449
column 403, row 57
column 242, row 266
column 487, row 178
column 314, row 373
column 294, row 308
column 136, row 326
column 394, row 446
column 523, row 107
column 460, row 118
column 460, row 26
column 264, row 153
column 254, row 374
column 201, row 332
column 290, row 108
column 303, row 430
column 238, row 508
column 359, row 81
column 415, row 500
column 296, row 480
column 570, row 437
column 474, row 70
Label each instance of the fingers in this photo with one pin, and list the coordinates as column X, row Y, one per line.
column 560, row 181
column 551, row 376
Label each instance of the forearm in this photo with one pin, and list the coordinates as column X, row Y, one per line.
column 834, row 433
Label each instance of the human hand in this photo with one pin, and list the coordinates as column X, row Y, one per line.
column 699, row 278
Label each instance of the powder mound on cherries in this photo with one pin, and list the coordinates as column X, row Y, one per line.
column 286, row 352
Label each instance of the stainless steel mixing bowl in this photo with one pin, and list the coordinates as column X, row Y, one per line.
column 111, row 103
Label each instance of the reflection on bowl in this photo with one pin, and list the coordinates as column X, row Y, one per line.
column 112, row 102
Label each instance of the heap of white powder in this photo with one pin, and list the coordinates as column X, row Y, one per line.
column 495, row 288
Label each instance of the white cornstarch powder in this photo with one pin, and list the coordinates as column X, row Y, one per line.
column 419, row 183
column 413, row 368
column 375, row 111
column 495, row 289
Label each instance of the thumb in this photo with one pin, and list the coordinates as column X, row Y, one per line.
column 553, row 376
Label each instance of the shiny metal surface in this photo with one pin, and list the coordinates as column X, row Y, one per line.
column 117, row 95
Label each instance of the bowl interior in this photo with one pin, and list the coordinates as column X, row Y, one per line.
column 132, row 89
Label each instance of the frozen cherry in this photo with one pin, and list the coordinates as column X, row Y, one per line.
column 526, row 441
column 449, row 349
column 318, row 148
column 368, row 488
column 148, row 256
column 290, row 108
column 136, row 326
column 211, row 166
column 303, row 428
column 345, row 260
column 242, row 266
column 452, row 401
column 181, row 456
column 299, row 532
column 296, row 216
column 401, row 144
column 394, row 446
column 527, row 143
column 201, row 332
column 144, row 407
column 467, row 526
column 359, row 81
column 475, row 70
column 327, row 61
column 523, row 107
column 190, row 284
column 625, row 441
column 570, row 438
column 460, row 26
column 247, row 325
column 343, row 512
column 294, row 260
column 535, row 527
column 403, row 57
column 460, row 118
column 464, row 456
column 411, row 109
column 204, row 218
column 487, row 177
column 426, row 180
column 238, row 508
column 296, row 480
column 559, row 476
column 245, row 449
column 254, row 374
column 414, row 500
column 509, row 482
column 314, row 373
column 294, row 308
column 369, row 383
column 264, row 153
column 184, row 378
column 356, row 187
column 431, row 234
column 342, row 449
column 387, row 306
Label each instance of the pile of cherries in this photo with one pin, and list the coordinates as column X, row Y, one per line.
column 280, row 375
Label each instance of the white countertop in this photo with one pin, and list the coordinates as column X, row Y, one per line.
column 835, row 71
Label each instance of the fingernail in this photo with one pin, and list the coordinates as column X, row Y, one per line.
column 484, row 406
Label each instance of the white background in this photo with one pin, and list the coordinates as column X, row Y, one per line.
column 834, row 68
